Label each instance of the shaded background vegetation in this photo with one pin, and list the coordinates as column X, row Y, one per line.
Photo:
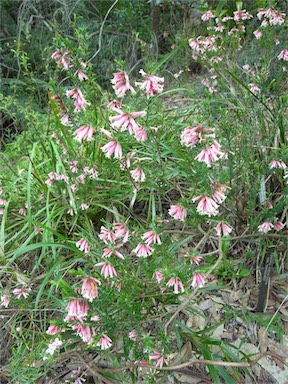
column 135, row 31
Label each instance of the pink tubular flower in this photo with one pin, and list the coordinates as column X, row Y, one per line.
column 52, row 175
column 81, row 75
column 105, row 342
column 74, row 188
column 107, row 235
column 191, row 136
column 81, row 179
column 63, row 60
column 91, row 172
column 177, row 212
column 89, row 288
column 198, row 280
column 73, row 168
column 219, row 28
column 107, row 269
column 158, row 276
column 79, row 380
column 140, row 134
column 49, row 182
column 63, row 177
column 84, row 332
column 218, row 196
column 125, row 121
column 83, row 245
column 210, row 154
column 223, row 229
column 258, row 34
column 121, row 84
column 65, row 120
column 3, row 202
column 278, row 226
column 277, row 164
column 22, row 212
column 274, row 17
column 176, row 283
column 126, row 163
column 226, row 18
column 151, row 237
column 70, row 212
column 52, row 347
column 115, row 104
column 160, row 359
column 108, row 252
column 254, row 89
column 143, row 250
column 176, row 75
column 80, row 103
column 265, row 227
column 121, row 231
column 18, row 292
column 195, row 259
column 152, row 85
column 207, row 16
column 77, row 310
column 206, row 206
column 113, row 148
column 242, row 14
column 138, row 174
column 53, row 329
column 85, row 132
column 283, row 55
column 56, row 55
column 5, row 301
column 133, row 335
column 202, row 44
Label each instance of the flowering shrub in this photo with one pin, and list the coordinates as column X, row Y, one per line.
column 104, row 206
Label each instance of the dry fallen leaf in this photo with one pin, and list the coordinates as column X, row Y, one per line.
column 218, row 332
column 263, row 339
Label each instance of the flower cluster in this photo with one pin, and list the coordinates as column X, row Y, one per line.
column 283, row 55
column 79, row 101
column 121, row 84
column 271, row 17
column 63, row 60
column 52, row 347
column 190, row 137
column 152, row 85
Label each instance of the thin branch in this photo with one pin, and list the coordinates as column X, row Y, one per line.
column 10, row 68
column 237, row 238
column 187, row 364
column 101, row 32
column 92, row 371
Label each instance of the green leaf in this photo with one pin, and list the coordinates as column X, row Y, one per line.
column 45, row 281
column 66, row 290
column 170, row 55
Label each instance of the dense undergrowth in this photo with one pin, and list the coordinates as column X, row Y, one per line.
column 107, row 199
